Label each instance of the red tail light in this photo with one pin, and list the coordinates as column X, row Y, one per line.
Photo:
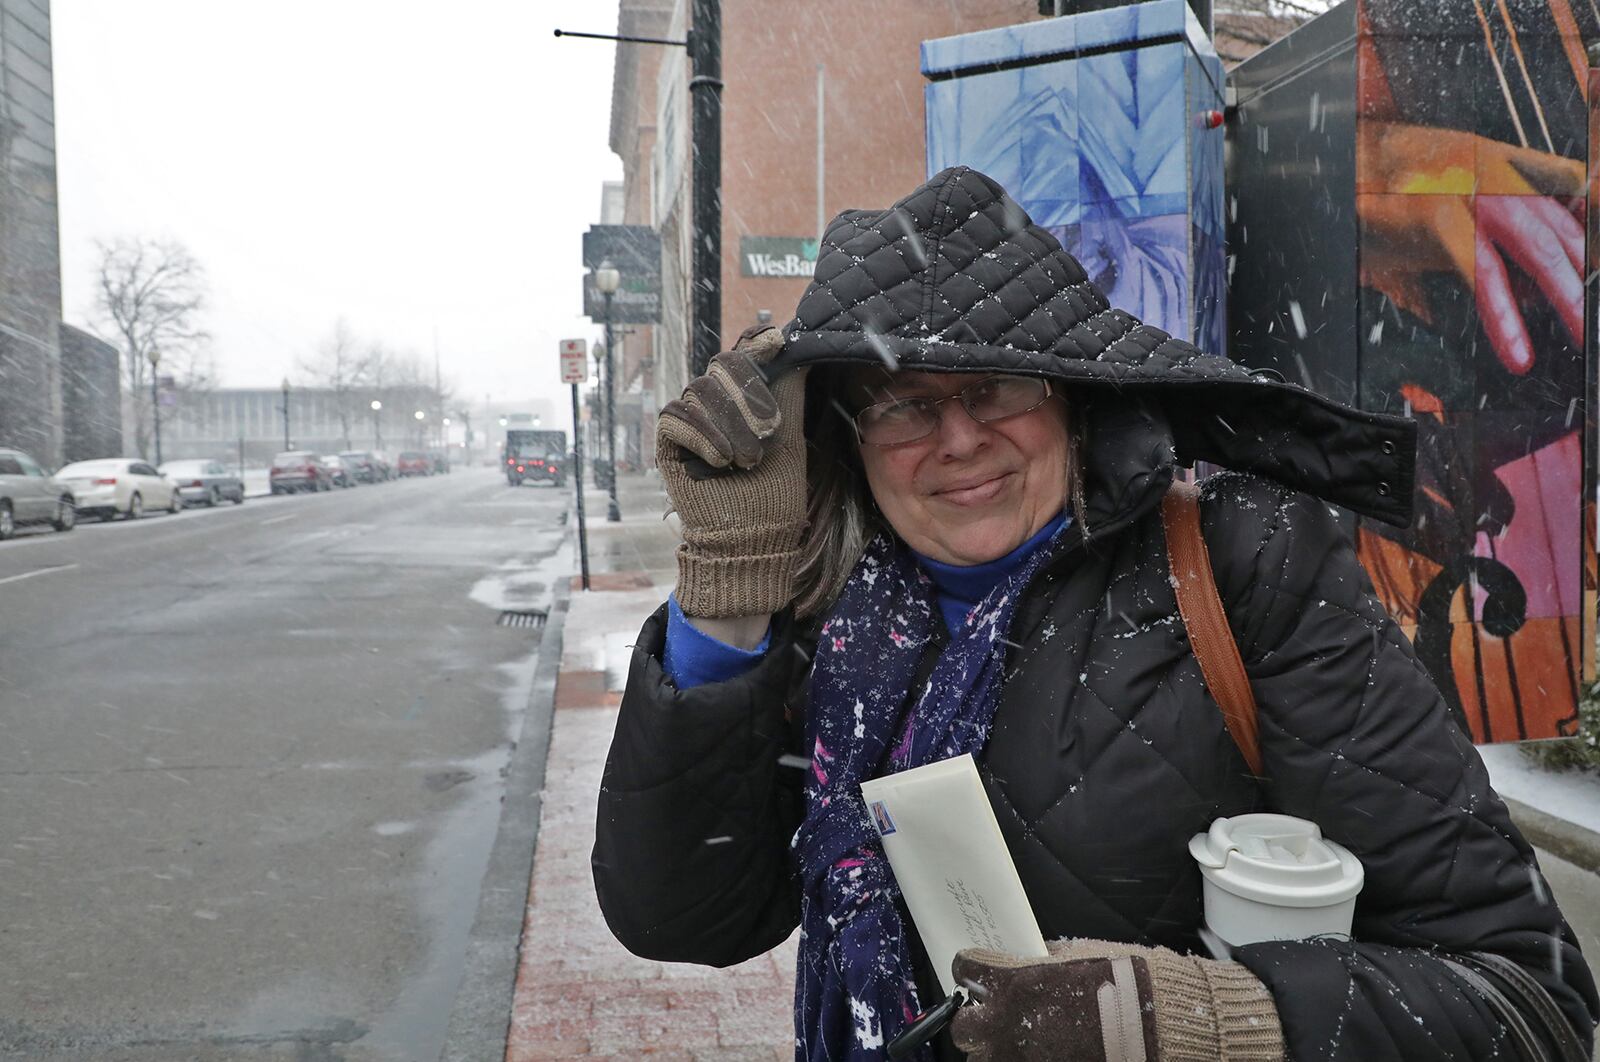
column 112, row 482
column 194, row 483
column 511, row 460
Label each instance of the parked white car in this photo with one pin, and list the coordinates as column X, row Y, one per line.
column 29, row 496
column 122, row 486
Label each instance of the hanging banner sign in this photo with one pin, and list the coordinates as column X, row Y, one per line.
column 777, row 256
column 634, row 251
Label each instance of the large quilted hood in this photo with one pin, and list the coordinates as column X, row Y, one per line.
column 957, row 278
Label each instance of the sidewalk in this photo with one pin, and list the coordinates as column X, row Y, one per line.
column 579, row 994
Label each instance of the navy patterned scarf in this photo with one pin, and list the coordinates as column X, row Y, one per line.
column 855, row 989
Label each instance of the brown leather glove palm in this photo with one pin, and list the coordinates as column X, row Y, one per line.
column 1094, row 999
column 732, row 455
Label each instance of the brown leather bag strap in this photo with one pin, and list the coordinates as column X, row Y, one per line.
column 1209, row 634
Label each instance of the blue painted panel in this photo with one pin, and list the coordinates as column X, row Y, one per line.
column 1102, row 150
column 970, row 123
column 1132, row 128
column 1205, row 148
column 1134, row 22
column 1056, row 36
column 1143, row 263
column 1151, row 204
column 1019, row 127
column 1112, row 25
column 1046, row 37
column 1209, row 291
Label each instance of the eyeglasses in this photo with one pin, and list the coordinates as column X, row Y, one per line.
column 904, row 420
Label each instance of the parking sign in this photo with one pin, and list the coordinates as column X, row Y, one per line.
column 574, row 361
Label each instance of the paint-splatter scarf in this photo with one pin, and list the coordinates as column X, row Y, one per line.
column 855, row 989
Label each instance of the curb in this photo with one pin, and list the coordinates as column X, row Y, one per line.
column 1576, row 844
column 480, row 1020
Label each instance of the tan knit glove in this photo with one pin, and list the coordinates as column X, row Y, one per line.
column 1095, row 999
column 732, row 455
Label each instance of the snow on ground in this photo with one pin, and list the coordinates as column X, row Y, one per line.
column 1570, row 795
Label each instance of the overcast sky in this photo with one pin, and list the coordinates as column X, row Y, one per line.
column 410, row 165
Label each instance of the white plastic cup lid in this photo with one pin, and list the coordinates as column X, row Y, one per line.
column 1278, row 860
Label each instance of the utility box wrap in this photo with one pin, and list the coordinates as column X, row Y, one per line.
column 1102, row 125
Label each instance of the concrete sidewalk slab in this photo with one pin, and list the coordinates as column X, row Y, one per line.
column 580, row 994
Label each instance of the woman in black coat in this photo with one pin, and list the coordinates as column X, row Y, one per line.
column 948, row 540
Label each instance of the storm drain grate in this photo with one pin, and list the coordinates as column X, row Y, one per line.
column 523, row 619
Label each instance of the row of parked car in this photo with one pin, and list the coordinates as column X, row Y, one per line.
column 127, row 487
column 295, row 471
column 113, row 486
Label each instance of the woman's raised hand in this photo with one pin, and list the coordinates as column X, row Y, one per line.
column 732, row 455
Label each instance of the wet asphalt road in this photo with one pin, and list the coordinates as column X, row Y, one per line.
column 251, row 762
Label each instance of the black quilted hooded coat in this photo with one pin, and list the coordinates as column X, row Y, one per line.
column 1107, row 753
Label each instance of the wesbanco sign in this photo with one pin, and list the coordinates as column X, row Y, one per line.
column 777, row 256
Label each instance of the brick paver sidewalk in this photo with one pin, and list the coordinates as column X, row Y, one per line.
column 579, row 994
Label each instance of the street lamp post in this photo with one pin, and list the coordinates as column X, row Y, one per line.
column 155, row 399
column 287, row 445
column 607, row 280
column 704, row 45
column 422, row 441
column 377, row 430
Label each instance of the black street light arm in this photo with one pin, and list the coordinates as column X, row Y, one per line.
column 623, row 38
column 704, row 44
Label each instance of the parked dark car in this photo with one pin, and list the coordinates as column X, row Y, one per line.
column 440, row 459
column 339, row 470
column 413, row 463
column 29, row 495
column 362, row 465
column 299, row 470
column 202, row 482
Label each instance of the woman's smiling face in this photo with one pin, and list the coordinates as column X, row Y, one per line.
column 967, row 493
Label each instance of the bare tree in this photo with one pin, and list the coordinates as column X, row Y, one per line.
column 344, row 367
column 1244, row 27
column 149, row 294
column 407, row 386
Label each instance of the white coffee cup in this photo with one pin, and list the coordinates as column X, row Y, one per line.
column 1274, row 877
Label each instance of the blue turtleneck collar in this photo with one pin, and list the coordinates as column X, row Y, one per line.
column 960, row 587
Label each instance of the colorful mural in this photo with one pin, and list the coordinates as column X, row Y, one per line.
column 1095, row 123
column 1470, row 194
column 1408, row 215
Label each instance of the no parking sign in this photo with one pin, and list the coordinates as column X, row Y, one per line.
column 574, row 361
